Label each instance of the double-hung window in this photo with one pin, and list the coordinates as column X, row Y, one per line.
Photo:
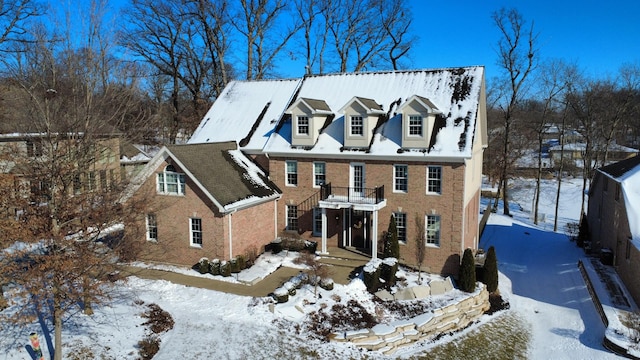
column 319, row 174
column 317, row 221
column 415, row 125
column 357, row 126
column 195, row 232
column 291, row 172
column 433, row 230
column 292, row 217
column 400, row 178
column 171, row 182
column 434, row 179
column 303, row 125
column 401, row 226
column 152, row 227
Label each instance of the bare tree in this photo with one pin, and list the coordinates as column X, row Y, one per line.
column 316, row 270
column 264, row 39
column 553, row 82
column 63, row 206
column 420, row 245
column 517, row 56
column 13, row 18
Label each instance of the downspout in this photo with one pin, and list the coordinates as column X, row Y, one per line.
column 275, row 219
column 230, row 214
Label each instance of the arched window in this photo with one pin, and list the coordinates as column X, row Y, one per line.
column 171, row 182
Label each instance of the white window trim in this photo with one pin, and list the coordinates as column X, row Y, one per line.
column 191, row 233
column 161, row 188
column 409, row 134
column 286, row 217
column 426, row 229
column 307, row 125
column 324, row 165
column 396, row 178
column 361, row 126
column 428, row 178
column 317, row 212
column 148, row 227
column 395, row 215
column 286, row 173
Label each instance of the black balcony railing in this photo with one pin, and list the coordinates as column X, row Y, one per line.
column 357, row 195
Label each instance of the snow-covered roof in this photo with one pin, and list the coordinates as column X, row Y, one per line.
column 627, row 173
column 455, row 92
column 246, row 112
column 230, row 179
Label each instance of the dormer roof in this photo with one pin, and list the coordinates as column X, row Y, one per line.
column 316, row 106
column 370, row 105
column 423, row 101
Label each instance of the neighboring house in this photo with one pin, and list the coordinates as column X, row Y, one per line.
column 23, row 156
column 134, row 158
column 614, row 219
column 573, row 152
column 203, row 200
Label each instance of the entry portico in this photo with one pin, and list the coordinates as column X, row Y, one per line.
column 353, row 200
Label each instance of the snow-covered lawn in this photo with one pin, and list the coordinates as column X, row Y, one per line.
column 539, row 276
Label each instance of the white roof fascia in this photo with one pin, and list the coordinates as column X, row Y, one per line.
column 356, row 99
column 369, row 157
column 231, row 208
column 417, row 99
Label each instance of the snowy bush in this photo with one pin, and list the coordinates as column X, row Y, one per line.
column 203, row 267
column 290, row 287
column 281, row 295
column 225, row 268
column 326, row 284
column 234, row 266
column 214, row 267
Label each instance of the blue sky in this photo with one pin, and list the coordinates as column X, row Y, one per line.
column 598, row 36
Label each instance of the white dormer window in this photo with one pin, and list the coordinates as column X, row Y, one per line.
column 415, row 125
column 356, row 127
column 171, row 182
column 303, row 125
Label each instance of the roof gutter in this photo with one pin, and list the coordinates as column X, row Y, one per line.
column 230, row 209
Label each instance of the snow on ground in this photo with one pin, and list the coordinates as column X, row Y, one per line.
column 538, row 275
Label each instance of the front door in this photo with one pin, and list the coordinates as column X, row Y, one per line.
column 356, row 181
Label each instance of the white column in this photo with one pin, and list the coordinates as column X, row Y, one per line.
column 324, row 230
column 374, row 235
column 344, row 228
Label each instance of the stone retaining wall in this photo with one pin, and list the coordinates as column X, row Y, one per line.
column 388, row 338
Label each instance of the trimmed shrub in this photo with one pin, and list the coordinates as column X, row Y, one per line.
column 391, row 245
column 490, row 272
column 250, row 256
column 291, row 288
column 214, row 267
column 234, row 266
column 467, row 281
column 225, row 268
column 310, row 246
column 388, row 271
column 281, row 295
column 326, row 284
column 242, row 263
column 203, row 267
column 371, row 274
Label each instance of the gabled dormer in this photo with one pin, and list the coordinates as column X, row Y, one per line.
column 307, row 118
column 418, row 119
column 360, row 118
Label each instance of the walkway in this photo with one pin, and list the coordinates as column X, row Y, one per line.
column 342, row 263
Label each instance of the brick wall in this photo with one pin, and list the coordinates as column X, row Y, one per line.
column 449, row 205
column 252, row 226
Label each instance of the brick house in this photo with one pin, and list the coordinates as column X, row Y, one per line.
column 348, row 151
column 614, row 219
column 203, row 200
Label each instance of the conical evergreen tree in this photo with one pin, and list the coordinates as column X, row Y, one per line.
column 467, row 280
column 391, row 245
column 491, row 270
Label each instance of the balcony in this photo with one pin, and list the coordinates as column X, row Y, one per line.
column 343, row 197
